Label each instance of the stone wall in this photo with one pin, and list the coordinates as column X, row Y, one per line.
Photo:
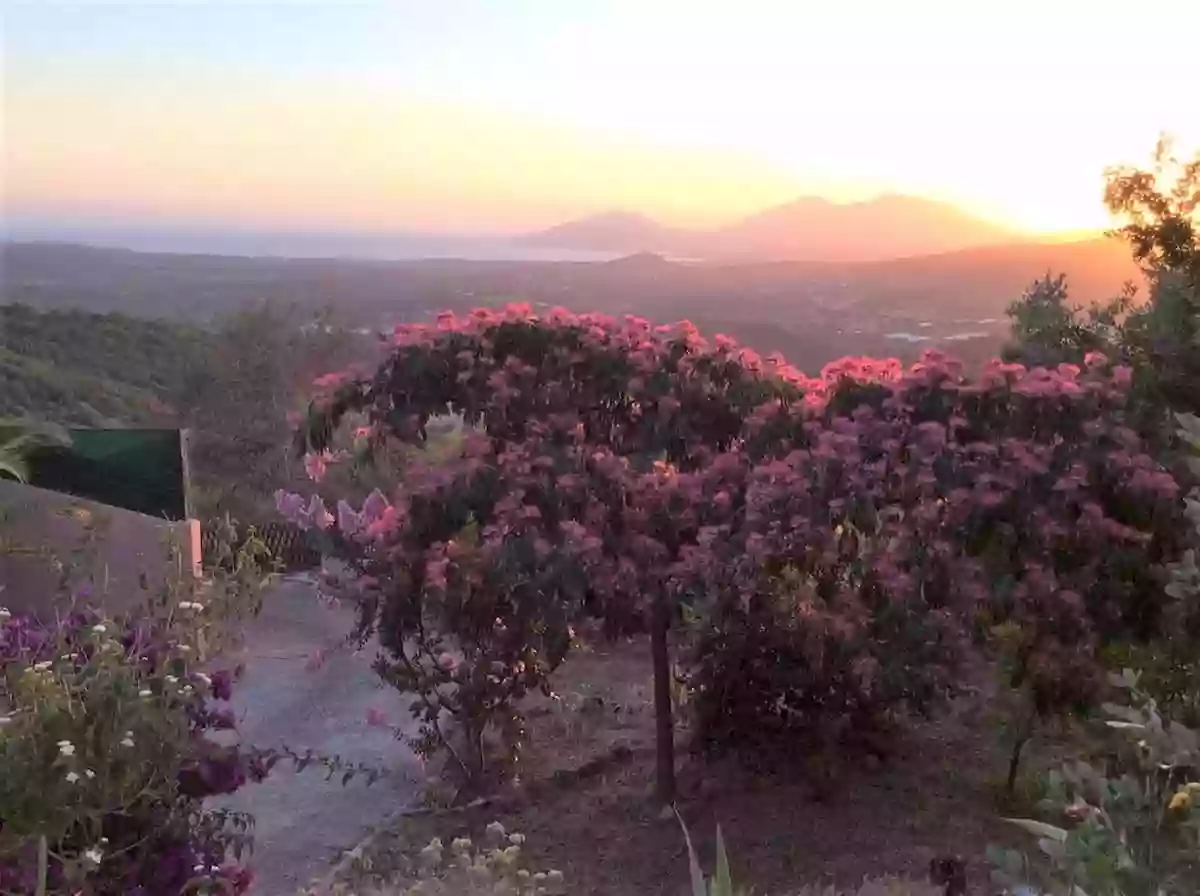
column 57, row 549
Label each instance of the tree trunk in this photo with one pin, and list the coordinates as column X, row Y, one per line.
column 663, row 716
column 1014, row 759
column 1014, row 765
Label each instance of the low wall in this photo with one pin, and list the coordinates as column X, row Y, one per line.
column 57, row 549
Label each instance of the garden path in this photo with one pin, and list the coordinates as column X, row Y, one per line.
column 302, row 821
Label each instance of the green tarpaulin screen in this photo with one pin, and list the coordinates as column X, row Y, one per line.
column 138, row 469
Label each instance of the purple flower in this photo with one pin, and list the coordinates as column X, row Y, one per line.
column 222, row 684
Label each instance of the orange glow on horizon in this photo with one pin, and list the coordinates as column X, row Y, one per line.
column 804, row 102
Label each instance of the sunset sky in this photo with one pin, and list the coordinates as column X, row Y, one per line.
column 508, row 115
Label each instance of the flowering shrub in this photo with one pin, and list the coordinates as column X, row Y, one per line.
column 104, row 761
column 469, row 870
column 847, row 522
column 1132, row 829
column 823, row 653
column 908, row 510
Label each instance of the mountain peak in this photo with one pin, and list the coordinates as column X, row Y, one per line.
column 612, row 231
column 809, row 228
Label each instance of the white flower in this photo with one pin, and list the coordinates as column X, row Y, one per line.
column 145, row 692
column 94, row 855
column 203, row 679
column 5, row 613
column 72, row 777
column 127, row 741
column 89, row 773
column 99, row 629
column 516, row 839
column 42, row 666
column 171, row 679
column 66, row 748
column 185, row 648
column 199, row 869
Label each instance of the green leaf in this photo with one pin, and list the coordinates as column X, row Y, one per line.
column 723, row 884
column 1039, row 828
column 699, row 885
column 1052, row 848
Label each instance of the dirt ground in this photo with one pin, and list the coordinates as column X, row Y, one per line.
column 936, row 797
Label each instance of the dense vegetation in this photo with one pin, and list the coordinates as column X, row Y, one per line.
column 232, row 384
column 83, row 369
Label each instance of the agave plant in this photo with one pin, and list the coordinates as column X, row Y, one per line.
column 722, row 882
column 19, row 439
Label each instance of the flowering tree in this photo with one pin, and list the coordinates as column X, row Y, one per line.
column 848, row 523
column 1158, row 208
column 578, row 417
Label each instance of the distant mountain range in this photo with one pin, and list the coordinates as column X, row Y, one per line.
column 809, row 229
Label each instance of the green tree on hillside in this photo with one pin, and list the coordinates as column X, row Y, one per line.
column 236, row 402
column 1159, row 338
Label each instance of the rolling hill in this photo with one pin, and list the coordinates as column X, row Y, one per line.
column 812, row 312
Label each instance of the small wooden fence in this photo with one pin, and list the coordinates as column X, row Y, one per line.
column 287, row 543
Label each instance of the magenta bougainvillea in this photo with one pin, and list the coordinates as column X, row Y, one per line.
column 858, row 526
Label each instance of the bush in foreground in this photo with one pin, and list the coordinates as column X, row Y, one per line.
column 1126, row 825
column 105, row 760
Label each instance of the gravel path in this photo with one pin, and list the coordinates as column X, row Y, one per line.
column 303, row 822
